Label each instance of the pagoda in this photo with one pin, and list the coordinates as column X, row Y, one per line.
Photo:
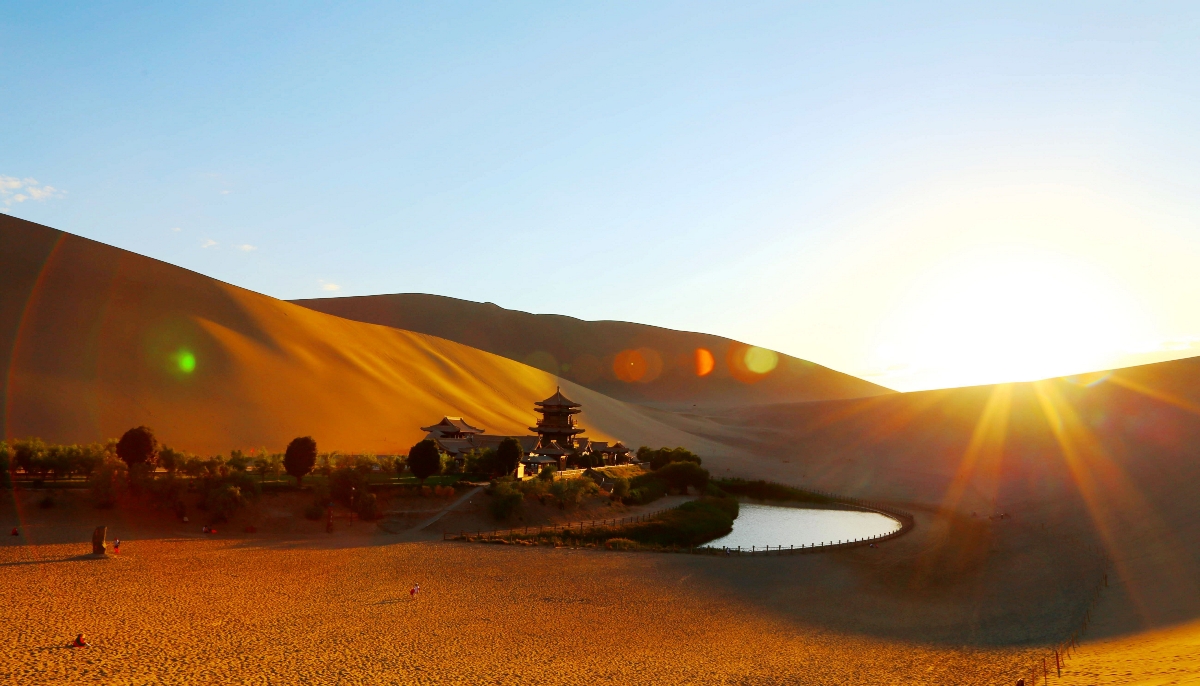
column 557, row 424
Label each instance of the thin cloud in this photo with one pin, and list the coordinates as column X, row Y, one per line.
column 176, row 229
column 327, row 286
column 208, row 243
column 246, row 247
column 15, row 190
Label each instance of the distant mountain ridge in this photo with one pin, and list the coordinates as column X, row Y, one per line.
column 632, row 362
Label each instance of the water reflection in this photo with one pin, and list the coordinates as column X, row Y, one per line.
column 763, row 525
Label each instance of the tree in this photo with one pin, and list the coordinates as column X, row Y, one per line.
column 300, row 456
column 28, row 454
column 424, row 460
column 508, row 456
column 138, row 446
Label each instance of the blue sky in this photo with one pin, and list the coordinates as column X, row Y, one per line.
column 903, row 191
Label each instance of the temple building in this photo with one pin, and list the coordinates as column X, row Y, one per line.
column 558, row 438
column 557, row 425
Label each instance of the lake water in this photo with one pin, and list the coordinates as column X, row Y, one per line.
column 763, row 525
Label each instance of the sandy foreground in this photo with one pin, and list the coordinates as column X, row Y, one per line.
column 211, row 610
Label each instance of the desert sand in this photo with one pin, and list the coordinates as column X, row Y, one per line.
column 1096, row 476
column 585, row 352
column 92, row 337
column 303, row 606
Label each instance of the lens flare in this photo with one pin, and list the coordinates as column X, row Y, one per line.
column 185, row 360
column 705, row 362
column 642, row 365
column 760, row 360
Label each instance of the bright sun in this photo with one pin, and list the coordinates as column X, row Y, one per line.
column 1008, row 315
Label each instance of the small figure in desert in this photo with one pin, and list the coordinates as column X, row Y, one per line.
column 80, row 642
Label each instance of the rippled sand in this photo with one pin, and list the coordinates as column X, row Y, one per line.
column 211, row 610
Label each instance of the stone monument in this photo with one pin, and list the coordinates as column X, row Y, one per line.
column 98, row 546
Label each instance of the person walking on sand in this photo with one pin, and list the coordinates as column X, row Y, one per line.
column 412, row 592
column 80, row 642
column 117, row 547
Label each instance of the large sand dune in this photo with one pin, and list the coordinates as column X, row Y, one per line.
column 95, row 340
column 587, row 352
column 1098, row 473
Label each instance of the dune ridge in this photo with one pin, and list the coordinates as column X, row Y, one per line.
column 95, row 339
column 587, row 352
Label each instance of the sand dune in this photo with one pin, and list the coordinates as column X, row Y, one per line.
column 587, row 352
column 1101, row 471
column 96, row 340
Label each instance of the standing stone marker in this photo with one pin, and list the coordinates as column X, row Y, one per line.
column 98, row 547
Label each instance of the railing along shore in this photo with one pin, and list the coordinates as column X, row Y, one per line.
column 903, row 517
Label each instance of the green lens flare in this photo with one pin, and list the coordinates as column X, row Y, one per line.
column 186, row 361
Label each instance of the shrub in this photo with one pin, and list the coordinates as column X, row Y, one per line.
column 346, row 482
column 692, row 523
column 223, row 501
column 314, row 511
column 424, row 460
column 645, row 488
column 679, row 475
column 620, row 488
column 665, row 456
column 171, row 459
column 573, row 491
column 766, row 490
column 620, row 544
column 547, row 473
column 481, row 462
column 166, row 492
column 367, row 506
column 138, row 446
column 506, row 501
column 108, row 482
column 300, row 456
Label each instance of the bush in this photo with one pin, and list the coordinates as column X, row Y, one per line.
column 692, row 523
column 138, row 446
column 679, row 475
column 345, row 482
column 223, row 501
column 108, row 482
column 766, row 490
column 506, row 501
column 620, row 544
column 572, row 491
column 300, row 456
column 664, row 456
column 166, row 492
column 645, row 488
column 547, row 473
column 314, row 511
column 367, row 506
column 620, row 488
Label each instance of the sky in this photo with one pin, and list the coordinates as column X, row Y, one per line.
column 919, row 194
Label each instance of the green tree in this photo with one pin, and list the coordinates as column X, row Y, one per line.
column 29, row 454
column 424, row 460
column 508, row 456
column 138, row 447
column 300, row 456
column 171, row 460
